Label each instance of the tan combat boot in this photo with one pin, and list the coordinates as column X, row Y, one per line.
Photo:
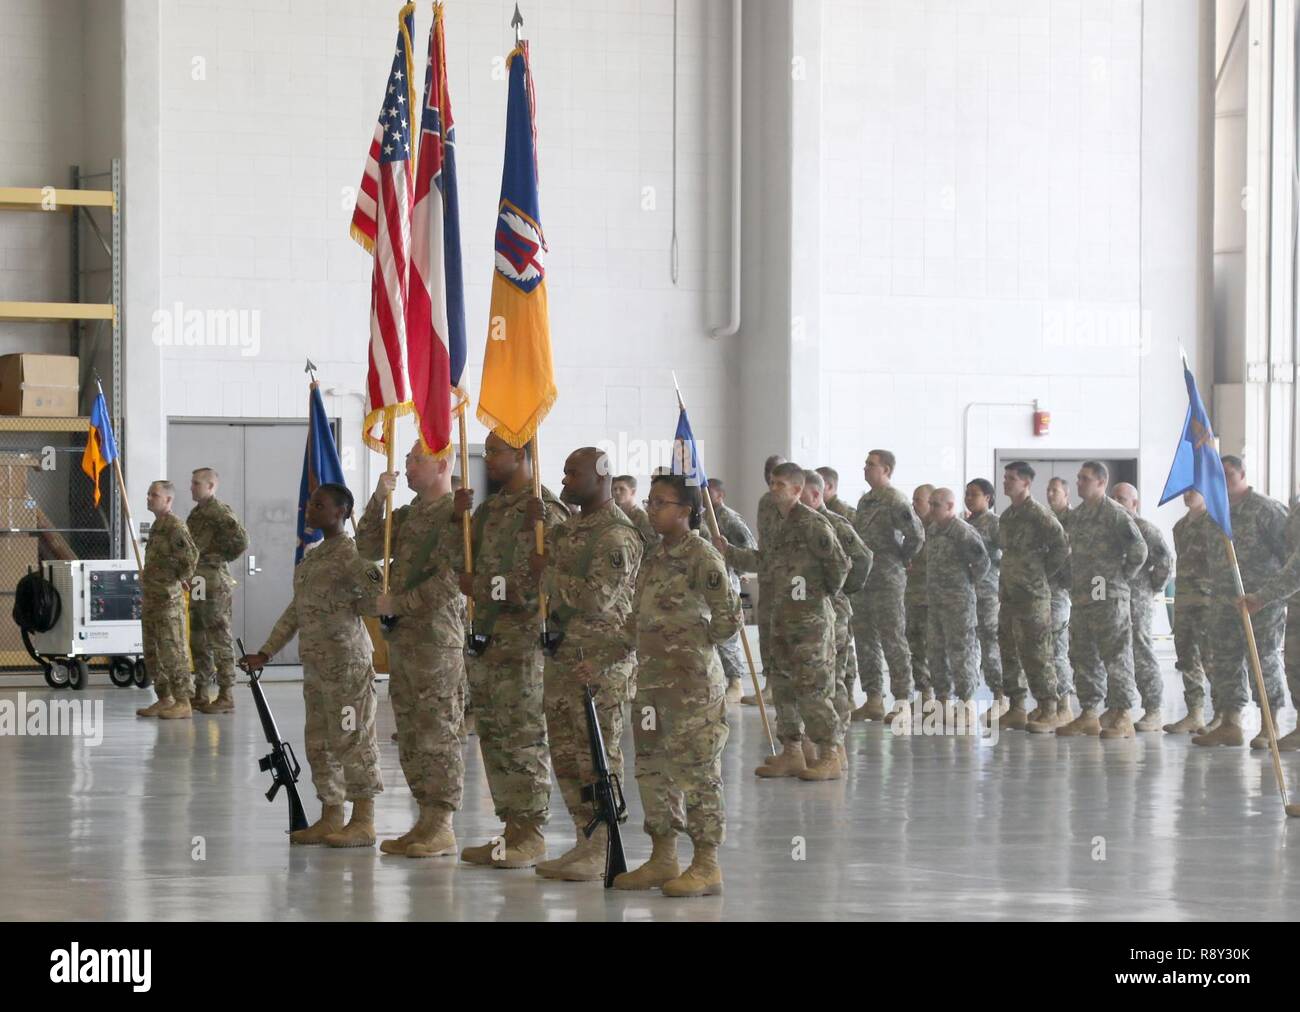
column 827, row 766
column 589, row 864
column 548, row 869
column 199, row 700
column 330, row 821
column 1193, row 723
column 752, row 700
column 525, row 844
column 1035, row 714
column 1217, row 722
column 661, row 868
column 702, row 878
column 1289, row 742
column 360, row 830
column 790, row 762
column 1046, row 722
column 1260, row 741
column 1107, row 717
column 223, row 703
column 872, row 709
column 421, row 826
column 432, row 837
column 900, row 706
column 1151, row 720
column 1064, row 713
column 482, row 854
column 810, row 750
column 1120, row 727
column 734, row 692
column 179, row 710
column 1227, row 733
column 994, row 712
column 1084, row 724
column 155, row 708
column 1015, row 719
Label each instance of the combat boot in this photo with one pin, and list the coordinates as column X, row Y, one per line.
column 702, row 878
column 547, row 869
column 661, row 868
column 223, row 703
column 1120, row 727
column 1084, row 724
column 525, row 844
column 1107, row 718
column 589, row 864
column 734, row 692
column 827, row 767
column 1015, row 719
column 155, row 708
column 1046, row 722
column 199, row 700
column 1227, row 733
column 1260, row 741
column 330, row 821
column 421, row 826
column 482, row 854
column 179, row 710
column 994, row 712
column 789, row 763
column 752, row 700
column 1151, row 718
column 360, row 830
column 1064, row 713
column 1289, row 742
column 900, row 706
column 432, row 838
column 872, row 709
column 810, row 751
column 1217, row 722
column 1193, row 723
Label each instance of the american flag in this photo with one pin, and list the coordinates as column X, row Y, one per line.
column 435, row 327
column 382, row 224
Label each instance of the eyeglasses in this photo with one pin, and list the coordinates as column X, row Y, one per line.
column 658, row 504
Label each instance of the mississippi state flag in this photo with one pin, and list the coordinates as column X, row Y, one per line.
column 382, row 224
column 435, row 318
column 518, row 386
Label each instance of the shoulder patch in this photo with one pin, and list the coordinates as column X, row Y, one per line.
column 715, row 580
column 824, row 542
column 616, row 558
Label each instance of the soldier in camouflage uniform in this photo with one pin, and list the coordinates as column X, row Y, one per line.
column 425, row 633
column 1259, row 537
column 836, row 505
column 624, row 489
column 1107, row 555
column 806, row 568
column 915, row 601
column 506, row 681
column 1033, row 549
column 958, row 561
column 1191, row 609
column 732, row 526
column 588, row 575
column 169, row 558
column 887, row 525
column 1149, row 582
column 767, row 519
column 220, row 539
column 1285, row 585
column 980, row 516
column 684, row 607
column 332, row 588
column 1058, row 501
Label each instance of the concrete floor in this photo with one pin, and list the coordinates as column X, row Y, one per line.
column 921, row 829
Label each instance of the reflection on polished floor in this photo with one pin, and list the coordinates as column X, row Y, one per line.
column 166, row 821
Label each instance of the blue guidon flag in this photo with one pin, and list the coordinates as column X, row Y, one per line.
column 1197, row 466
column 686, row 455
column 320, row 466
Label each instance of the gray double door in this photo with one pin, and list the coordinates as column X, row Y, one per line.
column 260, row 464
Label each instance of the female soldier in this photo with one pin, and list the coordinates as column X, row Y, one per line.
column 332, row 588
column 683, row 608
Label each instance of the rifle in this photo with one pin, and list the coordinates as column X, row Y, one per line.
column 606, row 795
column 282, row 764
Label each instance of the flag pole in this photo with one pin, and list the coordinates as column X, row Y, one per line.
column 121, row 488
column 539, row 529
column 744, row 636
column 465, row 520
column 1265, row 710
column 388, row 500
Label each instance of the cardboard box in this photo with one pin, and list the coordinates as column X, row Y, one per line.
column 39, row 386
column 14, row 469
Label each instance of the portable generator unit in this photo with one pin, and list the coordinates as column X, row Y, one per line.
column 70, row 612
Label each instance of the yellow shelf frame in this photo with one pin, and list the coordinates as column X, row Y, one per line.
column 32, row 198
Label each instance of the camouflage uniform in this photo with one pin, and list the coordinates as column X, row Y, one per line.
column 769, row 517
column 1149, row 582
column 641, row 521
column 958, row 561
column 1060, row 583
column 426, row 647
column 915, row 608
column 589, row 582
column 506, row 682
column 220, row 538
column 840, row 508
column 332, row 588
column 859, row 556
column 1106, row 556
column 888, row 526
column 1285, row 585
column 986, row 602
column 733, row 527
column 683, row 608
column 1259, row 536
column 169, row 559
column 806, row 567
column 1033, row 549
column 1192, row 603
